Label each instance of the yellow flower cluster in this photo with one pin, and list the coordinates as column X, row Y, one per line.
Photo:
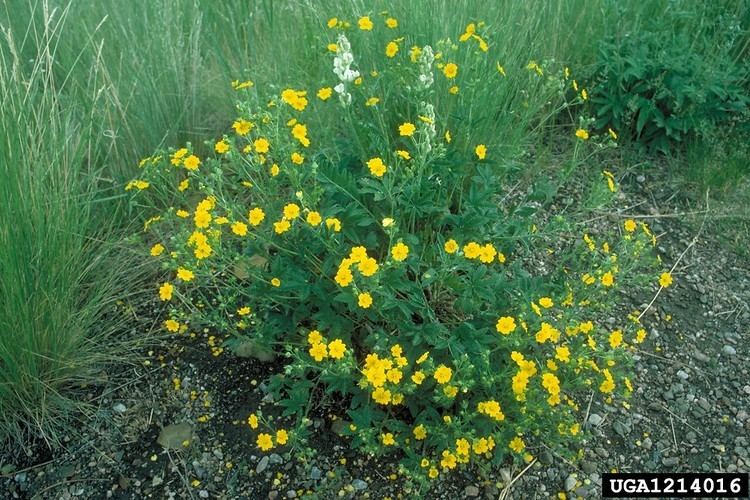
column 492, row 409
column 319, row 350
column 295, row 98
column 526, row 370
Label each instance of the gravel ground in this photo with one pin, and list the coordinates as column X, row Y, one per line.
column 176, row 427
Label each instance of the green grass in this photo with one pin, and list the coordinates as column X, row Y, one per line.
column 91, row 87
column 59, row 277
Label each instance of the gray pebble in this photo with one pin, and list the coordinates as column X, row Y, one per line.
column 315, row 474
column 262, row 465
column 471, row 491
column 670, row 461
column 729, row 350
column 359, row 484
column 595, row 419
column 203, row 494
column 570, row 482
column 683, row 374
column 119, row 408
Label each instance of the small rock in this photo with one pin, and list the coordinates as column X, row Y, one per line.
column 602, row 452
column 203, row 493
column 588, row 467
column 683, row 374
column 595, row 419
column 119, row 408
column 647, row 443
column 20, row 477
column 172, row 436
column 670, row 461
column 359, row 484
column 582, row 492
column 315, row 474
column 157, row 481
column 701, row 357
column 255, row 349
column 729, row 350
column 262, row 465
column 471, row 491
column 275, row 459
column 570, row 482
column 546, row 457
column 291, row 494
column 620, row 428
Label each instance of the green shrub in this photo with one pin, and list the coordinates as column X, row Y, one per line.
column 660, row 88
column 361, row 227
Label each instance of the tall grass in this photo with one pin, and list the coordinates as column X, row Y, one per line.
column 59, row 279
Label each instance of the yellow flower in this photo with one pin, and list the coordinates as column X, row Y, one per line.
column 448, row 136
column 261, row 145
column 165, row 291
column 318, row 351
column 433, row 473
column 281, row 226
column 242, row 127
column 372, row 101
column 612, row 134
column 282, row 436
column 364, row 300
column 185, row 274
column 368, row 266
column 450, row 70
column 264, row 441
column 500, row 69
column 418, row 377
column 391, row 49
column 399, row 252
column 274, row 171
column 608, row 279
column 239, row 228
column 516, row 444
column 403, row 154
column 252, row 421
column 171, row 325
column 314, row 219
column 582, row 134
column 364, row 23
column 314, row 337
column 276, row 282
column 192, row 162
column 297, row 158
column 256, row 216
column 472, row 250
column 505, row 325
column 481, row 151
column 291, row 211
column 325, row 93
column 546, row 302
column 406, row 129
column 562, row 353
column 183, row 185
column 332, row 22
column 443, row 374
column 453, row 90
column 391, row 23
column 157, row 250
column 420, row 432
column 243, row 311
column 451, row 246
column 640, row 336
column 332, row 47
column 295, row 98
column 377, row 167
column 221, row 147
column 333, row 223
column 665, row 279
column 387, row 439
column 336, row 349
column 615, row 339
column 381, row 396
column 630, row 225
column 387, row 222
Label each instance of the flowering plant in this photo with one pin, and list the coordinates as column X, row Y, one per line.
column 376, row 242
